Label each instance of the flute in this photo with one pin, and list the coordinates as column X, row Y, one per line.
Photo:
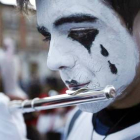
column 71, row 98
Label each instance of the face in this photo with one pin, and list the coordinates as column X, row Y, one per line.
column 89, row 46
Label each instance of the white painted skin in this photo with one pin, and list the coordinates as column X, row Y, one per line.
column 78, row 64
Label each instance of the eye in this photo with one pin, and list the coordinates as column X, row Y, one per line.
column 82, row 33
column 47, row 37
column 84, row 36
column 44, row 31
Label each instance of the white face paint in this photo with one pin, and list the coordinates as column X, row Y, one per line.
column 113, row 56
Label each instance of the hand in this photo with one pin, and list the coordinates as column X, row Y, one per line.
column 12, row 126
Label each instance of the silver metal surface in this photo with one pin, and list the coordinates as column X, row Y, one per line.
column 72, row 98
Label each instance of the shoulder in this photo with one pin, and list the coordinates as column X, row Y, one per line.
column 81, row 125
column 130, row 133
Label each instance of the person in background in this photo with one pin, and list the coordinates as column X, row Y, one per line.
column 10, row 70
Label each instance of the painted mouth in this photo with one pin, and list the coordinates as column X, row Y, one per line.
column 78, row 86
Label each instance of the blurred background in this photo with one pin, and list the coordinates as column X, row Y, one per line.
column 24, row 49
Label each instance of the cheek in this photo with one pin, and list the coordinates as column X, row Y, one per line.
column 111, row 61
column 115, row 66
column 104, row 51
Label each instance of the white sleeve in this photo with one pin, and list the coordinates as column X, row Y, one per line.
column 12, row 126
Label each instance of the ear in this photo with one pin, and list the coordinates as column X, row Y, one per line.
column 136, row 29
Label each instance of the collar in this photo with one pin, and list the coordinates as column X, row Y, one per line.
column 108, row 121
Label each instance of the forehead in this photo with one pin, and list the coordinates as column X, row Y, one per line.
column 50, row 10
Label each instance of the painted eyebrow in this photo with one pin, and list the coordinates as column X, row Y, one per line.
column 78, row 18
column 43, row 30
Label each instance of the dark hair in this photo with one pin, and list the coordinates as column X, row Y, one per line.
column 127, row 9
column 23, row 5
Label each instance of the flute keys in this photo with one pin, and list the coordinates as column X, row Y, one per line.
column 110, row 91
column 75, row 92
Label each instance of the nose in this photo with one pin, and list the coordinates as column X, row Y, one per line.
column 59, row 59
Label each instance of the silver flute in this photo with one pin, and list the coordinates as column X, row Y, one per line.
column 71, row 98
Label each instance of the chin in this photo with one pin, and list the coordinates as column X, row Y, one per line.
column 95, row 107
